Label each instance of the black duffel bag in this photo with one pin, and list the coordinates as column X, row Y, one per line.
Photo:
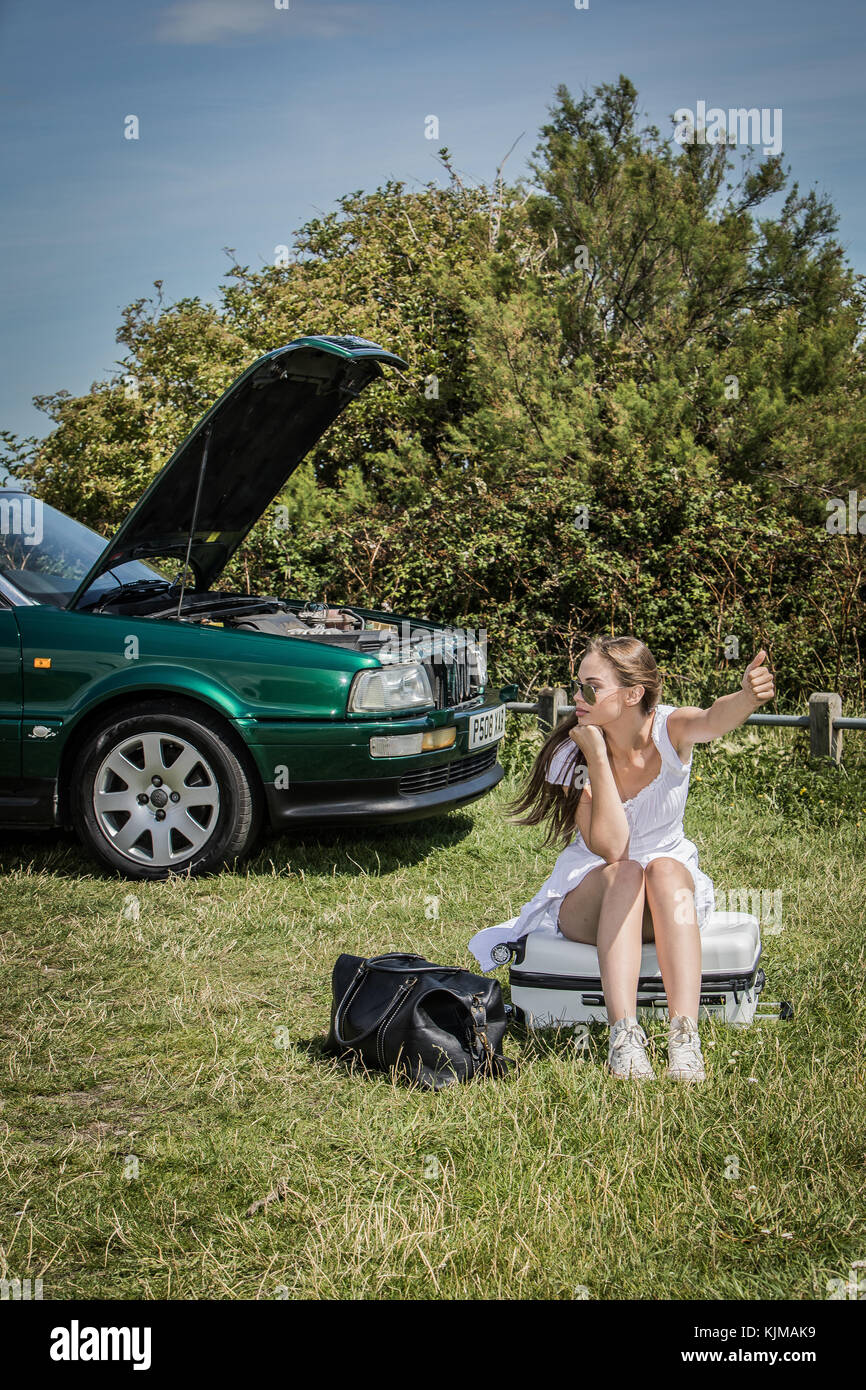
column 436, row 1024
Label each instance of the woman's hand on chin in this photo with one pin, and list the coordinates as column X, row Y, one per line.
column 589, row 739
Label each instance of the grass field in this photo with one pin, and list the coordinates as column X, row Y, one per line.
column 163, row 1072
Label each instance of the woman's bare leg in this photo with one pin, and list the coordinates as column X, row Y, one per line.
column 670, row 895
column 606, row 910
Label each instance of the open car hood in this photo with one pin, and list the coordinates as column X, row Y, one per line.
column 236, row 460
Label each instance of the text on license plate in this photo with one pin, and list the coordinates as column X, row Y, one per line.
column 486, row 727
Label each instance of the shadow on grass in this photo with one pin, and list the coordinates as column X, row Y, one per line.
column 362, row 849
column 351, row 1067
column 374, row 848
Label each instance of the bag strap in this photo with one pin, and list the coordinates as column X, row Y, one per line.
column 391, row 1007
column 479, row 1028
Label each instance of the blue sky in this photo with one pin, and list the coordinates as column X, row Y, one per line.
column 254, row 118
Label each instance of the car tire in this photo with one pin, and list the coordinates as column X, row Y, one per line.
column 164, row 790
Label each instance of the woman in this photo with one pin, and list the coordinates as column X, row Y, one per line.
column 629, row 874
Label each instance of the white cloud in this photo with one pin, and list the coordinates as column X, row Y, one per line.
column 213, row 21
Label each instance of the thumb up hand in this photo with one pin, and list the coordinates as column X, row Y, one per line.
column 758, row 681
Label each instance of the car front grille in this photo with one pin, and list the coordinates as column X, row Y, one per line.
column 431, row 779
column 453, row 682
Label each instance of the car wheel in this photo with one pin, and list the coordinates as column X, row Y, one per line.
column 163, row 791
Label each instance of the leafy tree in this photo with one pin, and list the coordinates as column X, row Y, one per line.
column 635, row 379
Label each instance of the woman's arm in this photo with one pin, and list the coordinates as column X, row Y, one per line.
column 600, row 817
column 690, row 725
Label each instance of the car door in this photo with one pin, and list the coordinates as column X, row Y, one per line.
column 10, row 698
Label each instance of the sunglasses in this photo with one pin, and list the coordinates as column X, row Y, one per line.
column 589, row 695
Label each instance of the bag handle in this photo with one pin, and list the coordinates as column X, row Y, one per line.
column 417, row 969
column 391, row 1007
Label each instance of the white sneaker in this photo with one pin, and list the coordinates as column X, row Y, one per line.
column 685, row 1061
column 626, row 1057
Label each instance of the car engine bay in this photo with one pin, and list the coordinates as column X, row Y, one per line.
column 450, row 658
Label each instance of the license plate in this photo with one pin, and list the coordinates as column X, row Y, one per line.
column 486, row 727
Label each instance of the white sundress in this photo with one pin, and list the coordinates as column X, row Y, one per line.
column 655, row 821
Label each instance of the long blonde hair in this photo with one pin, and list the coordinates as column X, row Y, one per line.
column 541, row 800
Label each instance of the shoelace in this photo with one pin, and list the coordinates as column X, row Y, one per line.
column 685, row 1037
column 632, row 1036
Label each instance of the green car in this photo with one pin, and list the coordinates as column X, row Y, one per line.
column 163, row 719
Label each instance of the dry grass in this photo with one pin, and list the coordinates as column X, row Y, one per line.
column 163, row 1073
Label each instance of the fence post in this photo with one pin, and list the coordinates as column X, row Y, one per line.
column 549, row 698
column 824, row 740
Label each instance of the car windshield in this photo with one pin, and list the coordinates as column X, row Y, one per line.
column 46, row 554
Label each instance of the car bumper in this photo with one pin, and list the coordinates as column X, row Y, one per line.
column 386, row 800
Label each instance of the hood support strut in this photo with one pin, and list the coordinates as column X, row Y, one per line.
column 194, row 519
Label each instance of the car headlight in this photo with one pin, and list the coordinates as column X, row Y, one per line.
column 390, row 688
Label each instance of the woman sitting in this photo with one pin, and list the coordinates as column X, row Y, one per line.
column 615, row 775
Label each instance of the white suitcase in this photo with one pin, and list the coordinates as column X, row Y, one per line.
column 555, row 981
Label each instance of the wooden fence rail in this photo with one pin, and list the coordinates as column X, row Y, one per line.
column 824, row 721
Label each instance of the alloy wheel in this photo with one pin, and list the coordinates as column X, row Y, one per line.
column 156, row 799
